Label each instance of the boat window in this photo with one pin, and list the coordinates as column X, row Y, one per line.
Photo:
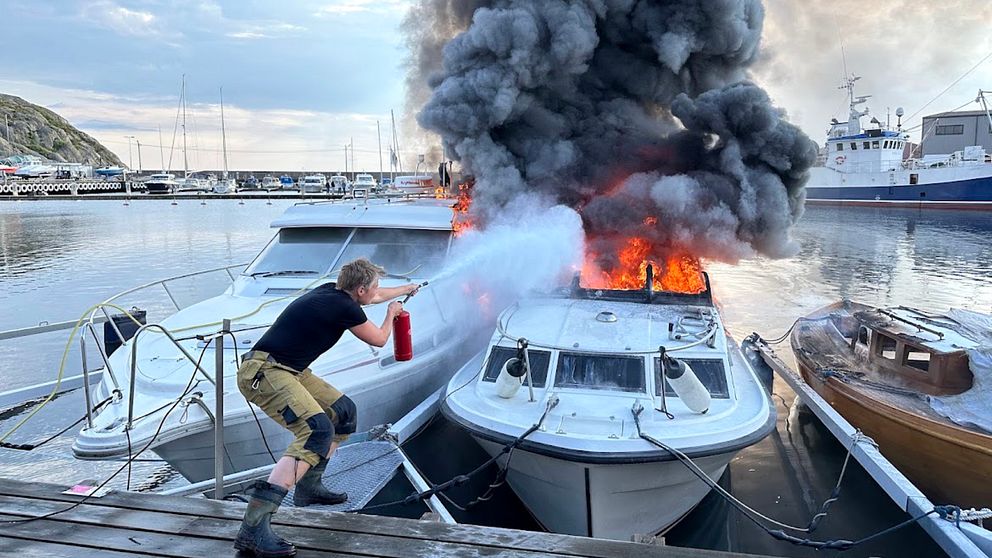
column 863, row 336
column 302, row 250
column 916, row 358
column 885, row 346
column 854, row 146
column 874, row 144
column 400, row 251
column 840, row 147
column 623, row 373
column 539, row 361
column 866, row 145
column 709, row 371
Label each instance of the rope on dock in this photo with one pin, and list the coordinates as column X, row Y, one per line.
column 29, row 447
column 754, row 515
column 131, row 456
column 462, row 479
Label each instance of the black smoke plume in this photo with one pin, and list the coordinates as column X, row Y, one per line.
column 636, row 113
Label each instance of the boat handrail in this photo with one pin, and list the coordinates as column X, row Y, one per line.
column 162, row 282
column 704, row 337
column 897, row 317
column 134, row 364
column 43, row 327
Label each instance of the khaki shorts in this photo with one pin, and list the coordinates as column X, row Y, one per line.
column 290, row 398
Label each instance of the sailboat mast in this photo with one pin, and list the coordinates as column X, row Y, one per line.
column 182, row 97
column 161, row 149
column 378, row 134
column 223, row 131
column 396, row 142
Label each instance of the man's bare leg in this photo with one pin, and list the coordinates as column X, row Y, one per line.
column 288, row 470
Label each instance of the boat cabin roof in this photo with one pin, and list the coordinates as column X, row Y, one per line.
column 403, row 214
column 606, row 326
column 934, row 332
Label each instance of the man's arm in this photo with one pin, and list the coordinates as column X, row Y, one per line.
column 389, row 293
column 378, row 336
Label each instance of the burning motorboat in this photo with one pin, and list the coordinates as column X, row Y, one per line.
column 571, row 380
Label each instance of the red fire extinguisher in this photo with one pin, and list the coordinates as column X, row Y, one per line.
column 402, row 338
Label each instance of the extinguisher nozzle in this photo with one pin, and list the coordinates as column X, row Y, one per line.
column 420, row 286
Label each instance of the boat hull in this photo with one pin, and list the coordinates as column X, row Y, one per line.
column 974, row 193
column 950, row 464
column 159, row 188
column 612, row 501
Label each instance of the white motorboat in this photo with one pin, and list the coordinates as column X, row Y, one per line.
column 594, row 362
column 313, row 183
column 224, row 186
column 312, row 242
column 415, row 185
column 161, row 183
column 365, row 182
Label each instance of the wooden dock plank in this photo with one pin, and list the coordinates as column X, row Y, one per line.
column 304, row 537
column 347, row 533
column 45, row 549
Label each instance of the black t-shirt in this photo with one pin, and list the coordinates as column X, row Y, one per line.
column 311, row 325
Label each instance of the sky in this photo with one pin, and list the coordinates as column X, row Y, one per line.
column 303, row 78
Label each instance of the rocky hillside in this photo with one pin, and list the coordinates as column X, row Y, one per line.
column 38, row 131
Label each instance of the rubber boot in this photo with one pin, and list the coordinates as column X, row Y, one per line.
column 256, row 534
column 310, row 491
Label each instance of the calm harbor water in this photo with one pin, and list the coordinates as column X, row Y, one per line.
column 59, row 257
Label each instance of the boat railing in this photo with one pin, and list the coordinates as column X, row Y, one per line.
column 95, row 317
column 100, row 314
column 134, row 365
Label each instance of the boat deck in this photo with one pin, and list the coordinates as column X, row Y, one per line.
column 142, row 524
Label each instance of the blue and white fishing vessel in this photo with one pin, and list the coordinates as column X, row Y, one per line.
column 867, row 166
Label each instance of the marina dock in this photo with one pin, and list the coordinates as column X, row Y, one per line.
column 141, row 524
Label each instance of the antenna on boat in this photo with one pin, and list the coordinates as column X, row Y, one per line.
column 649, row 282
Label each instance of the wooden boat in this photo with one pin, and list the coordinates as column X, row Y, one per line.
column 879, row 368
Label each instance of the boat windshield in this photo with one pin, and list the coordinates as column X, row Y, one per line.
column 299, row 251
column 608, row 372
column 418, row 253
column 313, row 250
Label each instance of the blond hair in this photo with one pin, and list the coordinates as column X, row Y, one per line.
column 359, row 273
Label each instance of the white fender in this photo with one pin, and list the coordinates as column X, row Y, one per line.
column 687, row 386
column 510, row 378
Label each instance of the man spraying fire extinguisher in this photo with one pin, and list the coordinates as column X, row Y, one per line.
column 275, row 375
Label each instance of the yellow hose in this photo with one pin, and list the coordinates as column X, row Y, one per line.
column 95, row 307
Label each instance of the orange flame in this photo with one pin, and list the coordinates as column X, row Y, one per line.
column 462, row 220
column 681, row 273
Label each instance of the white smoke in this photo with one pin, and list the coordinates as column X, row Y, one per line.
column 527, row 249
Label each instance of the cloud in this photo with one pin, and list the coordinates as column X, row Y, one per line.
column 277, row 139
column 121, row 20
column 265, row 30
column 347, row 7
